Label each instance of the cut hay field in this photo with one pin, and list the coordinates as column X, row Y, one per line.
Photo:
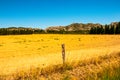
column 22, row 52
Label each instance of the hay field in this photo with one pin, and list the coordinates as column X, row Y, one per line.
column 21, row 52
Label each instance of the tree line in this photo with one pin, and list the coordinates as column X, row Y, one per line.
column 107, row 29
column 19, row 31
column 5, row 31
column 67, row 32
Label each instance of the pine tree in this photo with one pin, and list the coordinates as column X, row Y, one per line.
column 101, row 30
column 92, row 30
column 112, row 30
column 106, row 29
column 117, row 30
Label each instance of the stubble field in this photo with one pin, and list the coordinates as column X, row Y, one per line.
column 22, row 52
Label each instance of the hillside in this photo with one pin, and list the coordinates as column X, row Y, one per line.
column 74, row 27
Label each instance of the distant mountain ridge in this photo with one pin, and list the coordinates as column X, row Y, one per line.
column 71, row 27
column 74, row 28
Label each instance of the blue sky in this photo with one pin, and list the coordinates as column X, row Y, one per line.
column 45, row 13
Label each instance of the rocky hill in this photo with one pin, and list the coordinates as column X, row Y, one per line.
column 73, row 27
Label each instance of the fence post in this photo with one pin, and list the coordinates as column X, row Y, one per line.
column 63, row 53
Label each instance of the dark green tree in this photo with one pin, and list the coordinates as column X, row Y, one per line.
column 93, row 30
column 112, row 30
column 106, row 29
column 117, row 30
column 98, row 30
column 102, row 29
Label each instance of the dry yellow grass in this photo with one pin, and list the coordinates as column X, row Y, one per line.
column 21, row 52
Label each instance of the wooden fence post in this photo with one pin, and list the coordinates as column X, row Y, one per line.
column 63, row 53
